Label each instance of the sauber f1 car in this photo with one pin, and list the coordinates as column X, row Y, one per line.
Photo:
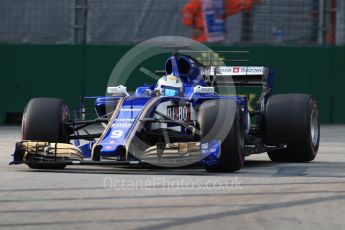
column 170, row 126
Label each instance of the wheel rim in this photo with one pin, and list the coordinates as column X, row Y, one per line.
column 314, row 127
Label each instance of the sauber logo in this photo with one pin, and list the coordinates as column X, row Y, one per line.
column 252, row 70
column 179, row 112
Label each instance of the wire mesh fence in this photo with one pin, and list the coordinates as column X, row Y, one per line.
column 340, row 22
column 36, row 21
column 294, row 21
column 129, row 21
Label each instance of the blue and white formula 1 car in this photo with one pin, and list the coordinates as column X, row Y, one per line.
column 181, row 120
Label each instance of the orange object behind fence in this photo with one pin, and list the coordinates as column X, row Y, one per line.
column 192, row 15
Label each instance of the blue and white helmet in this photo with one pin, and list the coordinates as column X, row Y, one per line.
column 169, row 85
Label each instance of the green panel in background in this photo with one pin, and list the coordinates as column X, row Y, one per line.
column 99, row 61
column 39, row 71
column 68, row 71
column 338, row 85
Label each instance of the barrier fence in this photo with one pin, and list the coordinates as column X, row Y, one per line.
column 279, row 22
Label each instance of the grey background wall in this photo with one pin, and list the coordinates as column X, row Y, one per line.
column 104, row 21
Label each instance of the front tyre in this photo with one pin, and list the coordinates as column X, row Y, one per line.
column 43, row 121
column 293, row 119
column 221, row 120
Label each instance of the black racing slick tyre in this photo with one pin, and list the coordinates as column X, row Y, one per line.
column 43, row 121
column 221, row 120
column 292, row 119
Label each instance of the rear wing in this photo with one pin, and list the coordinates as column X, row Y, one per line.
column 252, row 76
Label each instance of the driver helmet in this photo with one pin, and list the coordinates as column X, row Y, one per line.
column 169, row 85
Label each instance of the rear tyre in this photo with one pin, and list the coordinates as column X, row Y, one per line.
column 43, row 121
column 221, row 120
column 293, row 119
